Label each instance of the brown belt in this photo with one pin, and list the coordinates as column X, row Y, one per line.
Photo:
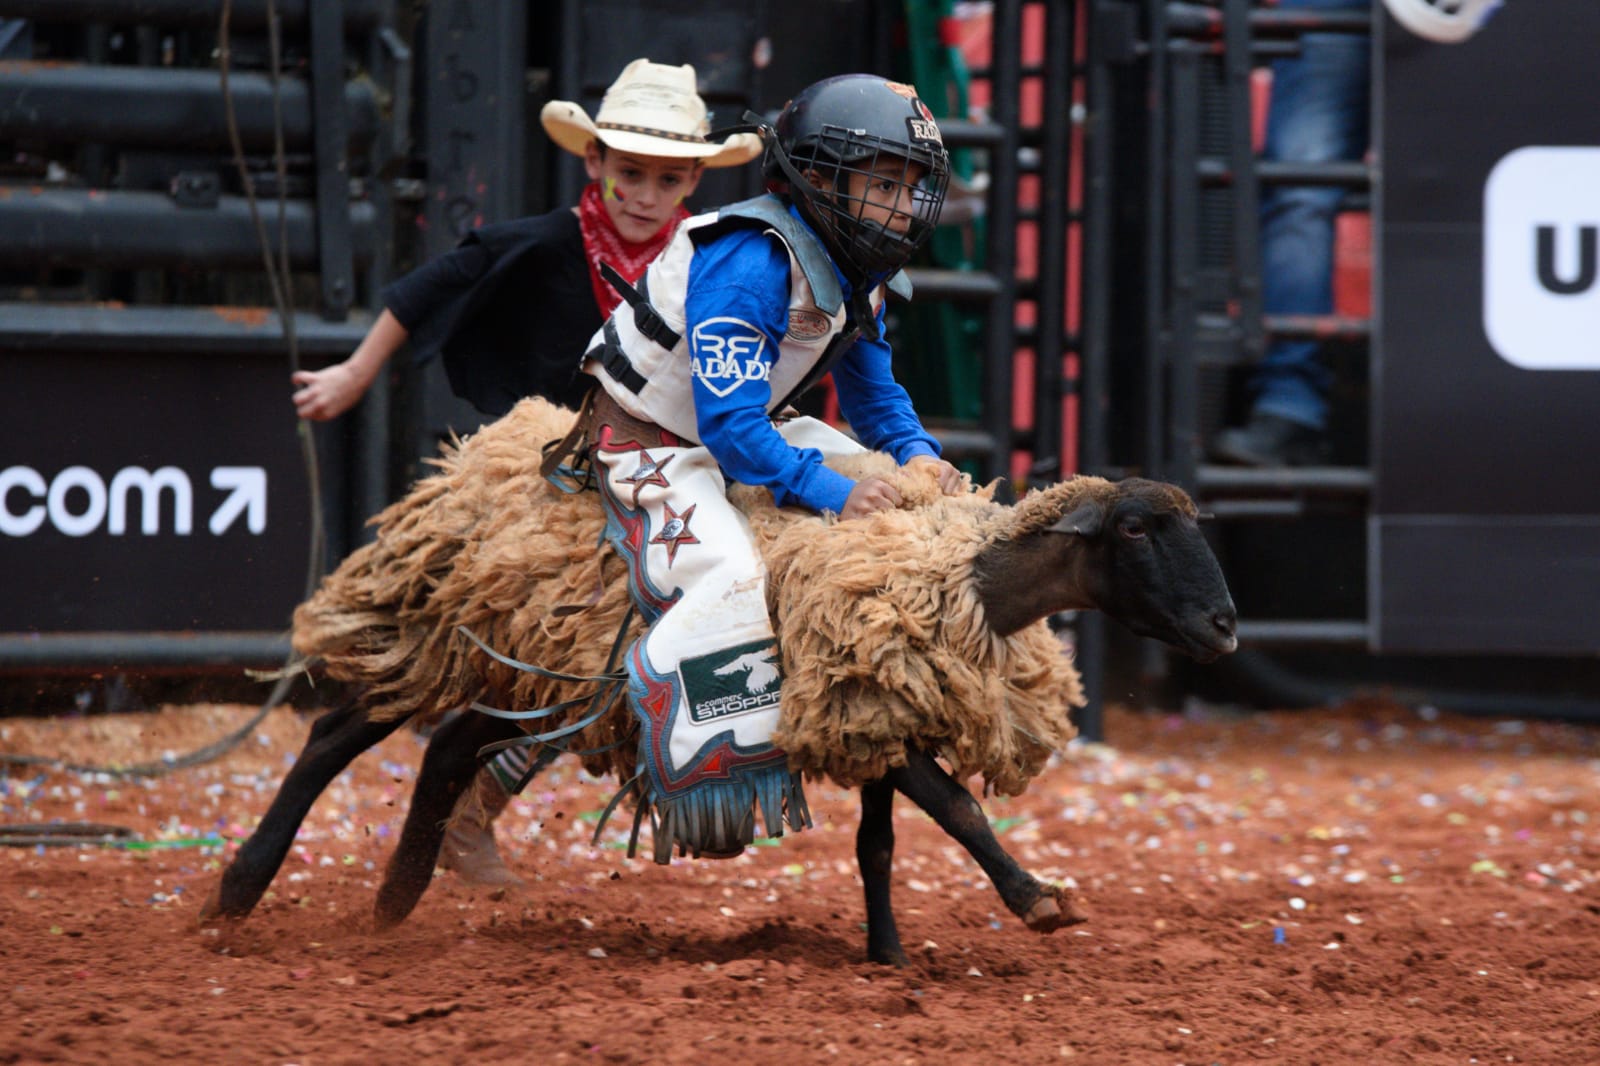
column 599, row 409
column 628, row 427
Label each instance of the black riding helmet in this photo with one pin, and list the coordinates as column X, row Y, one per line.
column 861, row 124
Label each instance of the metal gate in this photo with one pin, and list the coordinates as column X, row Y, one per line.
column 1398, row 547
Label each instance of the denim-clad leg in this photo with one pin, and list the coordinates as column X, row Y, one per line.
column 1318, row 113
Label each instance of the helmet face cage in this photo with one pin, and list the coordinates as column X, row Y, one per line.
column 862, row 161
column 884, row 199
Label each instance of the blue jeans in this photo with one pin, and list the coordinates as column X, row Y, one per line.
column 1318, row 113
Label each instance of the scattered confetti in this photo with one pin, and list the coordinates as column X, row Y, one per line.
column 1358, row 830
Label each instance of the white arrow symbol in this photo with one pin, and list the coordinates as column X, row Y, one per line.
column 248, row 489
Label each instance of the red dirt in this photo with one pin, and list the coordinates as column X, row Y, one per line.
column 1355, row 886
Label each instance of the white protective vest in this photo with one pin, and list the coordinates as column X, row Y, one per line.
column 666, row 398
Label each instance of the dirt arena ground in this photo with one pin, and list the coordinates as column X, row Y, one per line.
column 1362, row 885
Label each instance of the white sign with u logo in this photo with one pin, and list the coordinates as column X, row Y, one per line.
column 1541, row 258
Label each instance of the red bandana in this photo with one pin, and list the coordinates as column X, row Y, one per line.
column 602, row 241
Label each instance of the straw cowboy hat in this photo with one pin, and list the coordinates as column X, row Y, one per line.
column 651, row 109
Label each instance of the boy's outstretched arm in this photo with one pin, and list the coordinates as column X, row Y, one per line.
column 333, row 390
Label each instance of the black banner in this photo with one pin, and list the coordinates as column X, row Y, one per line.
column 149, row 492
column 1487, row 359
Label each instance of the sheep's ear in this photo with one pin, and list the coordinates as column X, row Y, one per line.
column 1084, row 519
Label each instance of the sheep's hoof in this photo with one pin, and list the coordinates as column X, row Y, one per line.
column 1054, row 909
column 213, row 913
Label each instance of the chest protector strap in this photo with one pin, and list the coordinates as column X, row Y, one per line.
column 649, row 323
column 769, row 212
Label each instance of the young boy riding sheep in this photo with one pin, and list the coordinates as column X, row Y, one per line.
column 746, row 308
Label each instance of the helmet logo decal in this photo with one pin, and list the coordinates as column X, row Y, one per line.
column 922, row 127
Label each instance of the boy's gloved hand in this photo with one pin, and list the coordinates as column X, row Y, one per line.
column 950, row 482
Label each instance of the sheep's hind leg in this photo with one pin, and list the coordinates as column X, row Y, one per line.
column 448, row 768
column 875, row 856
column 336, row 738
column 1045, row 908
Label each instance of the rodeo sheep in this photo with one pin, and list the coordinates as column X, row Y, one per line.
column 905, row 637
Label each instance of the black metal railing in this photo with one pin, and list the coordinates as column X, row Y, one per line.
column 1170, row 123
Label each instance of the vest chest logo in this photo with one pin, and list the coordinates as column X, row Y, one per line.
column 727, row 352
column 808, row 325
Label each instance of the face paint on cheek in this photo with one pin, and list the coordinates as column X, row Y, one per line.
column 609, row 190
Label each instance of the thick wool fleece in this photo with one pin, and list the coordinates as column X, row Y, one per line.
column 882, row 636
column 885, row 644
column 486, row 543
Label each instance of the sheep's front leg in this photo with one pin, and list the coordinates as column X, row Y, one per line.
column 336, row 739
column 448, row 767
column 1045, row 908
column 875, row 856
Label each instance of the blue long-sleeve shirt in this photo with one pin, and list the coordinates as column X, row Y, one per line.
column 737, row 305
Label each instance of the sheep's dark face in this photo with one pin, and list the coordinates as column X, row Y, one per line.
column 1149, row 567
